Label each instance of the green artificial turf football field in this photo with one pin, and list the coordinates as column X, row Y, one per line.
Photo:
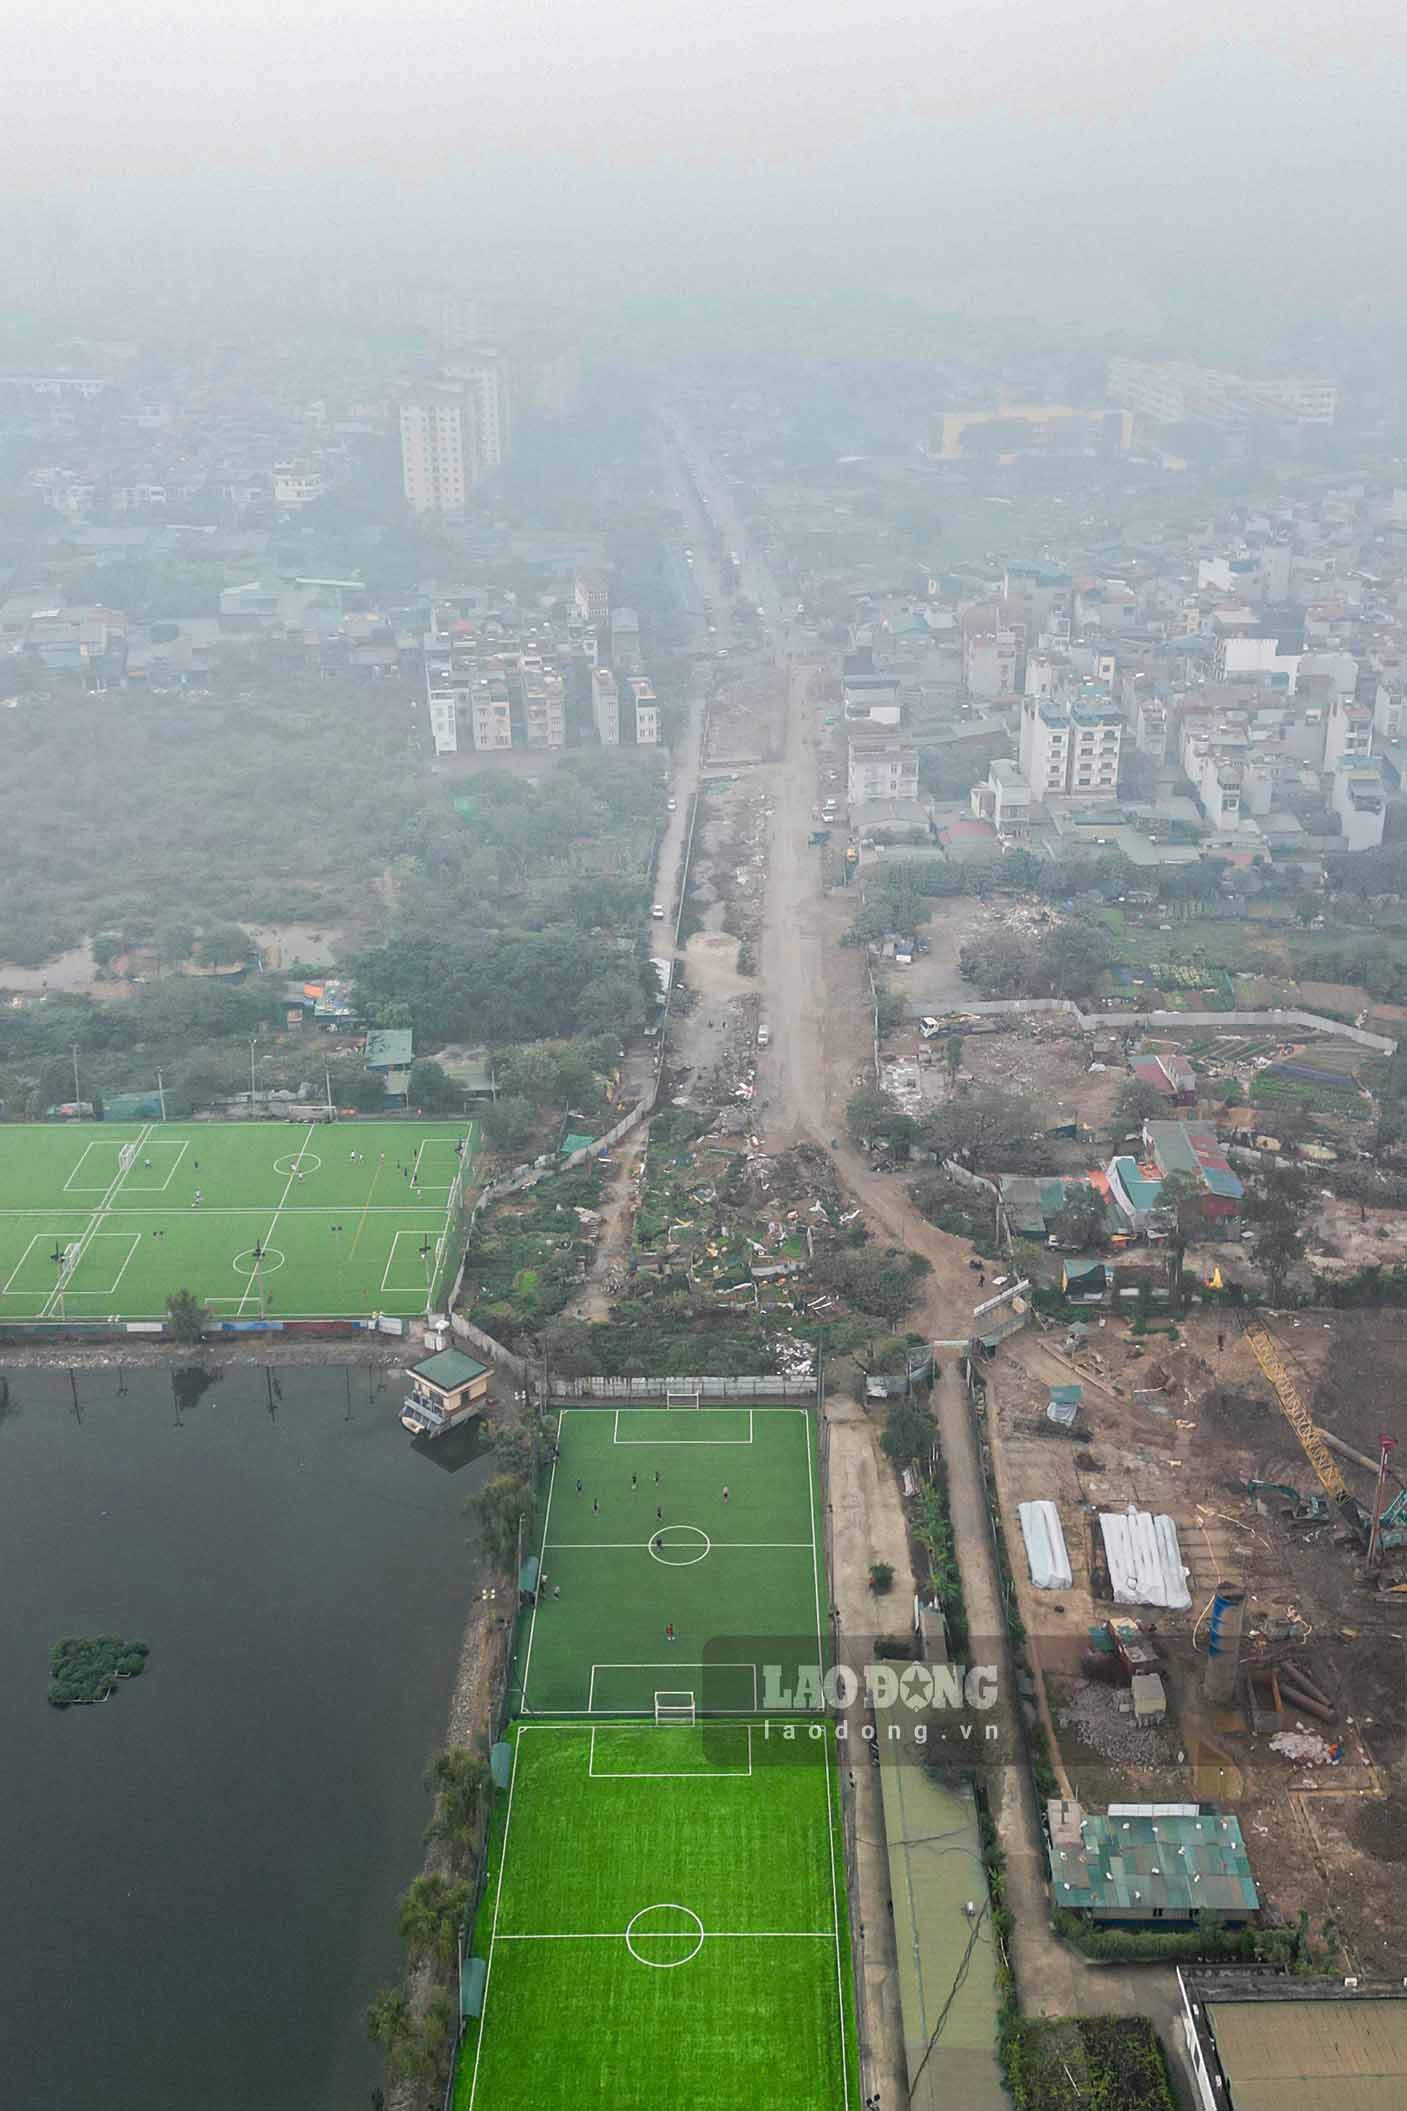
column 640, row 1539
column 664, row 1924
column 312, row 1221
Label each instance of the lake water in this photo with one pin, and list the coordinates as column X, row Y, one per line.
column 198, row 1879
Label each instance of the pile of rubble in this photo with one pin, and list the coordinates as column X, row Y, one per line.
column 1102, row 1718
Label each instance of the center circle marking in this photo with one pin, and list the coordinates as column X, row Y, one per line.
column 288, row 1165
column 667, row 1964
column 660, row 1552
column 269, row 1260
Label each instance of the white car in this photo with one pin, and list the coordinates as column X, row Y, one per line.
column 657, row 912
column 671, row 806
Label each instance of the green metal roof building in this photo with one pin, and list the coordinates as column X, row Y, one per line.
column 1134, row 1868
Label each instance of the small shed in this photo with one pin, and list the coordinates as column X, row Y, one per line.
column 1150, row 1701
column 446, row 1389
column 1063, row 1406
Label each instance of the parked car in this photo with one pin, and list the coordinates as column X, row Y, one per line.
column 670, row 805
column 657, row 912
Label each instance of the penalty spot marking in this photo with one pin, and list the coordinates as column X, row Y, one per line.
column 636, row 1933
column 661, row 1547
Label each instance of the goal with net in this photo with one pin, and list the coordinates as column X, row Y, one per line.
column 127, row 1158
column 682, row 1395
column 674, row 1708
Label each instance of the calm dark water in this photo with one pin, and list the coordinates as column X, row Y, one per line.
column 198, row 1879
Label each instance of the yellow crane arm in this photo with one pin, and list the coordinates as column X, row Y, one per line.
column 1296, row 1413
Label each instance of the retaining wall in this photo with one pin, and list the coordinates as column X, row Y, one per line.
column 1092, row 1022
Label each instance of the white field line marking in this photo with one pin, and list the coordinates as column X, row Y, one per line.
column 34, row 1239
column 86, row 1238
column 268, row 1235
column 668, row 1935
column 94, row 1187
column 232, row 1209
column 133, row 1240
column 617, row 1438
column 626, row 1546
column 541, row 1565
column 646, row 1407
column 497, row 1902
column 433, row 1143
column 157, row 1187
column 835, row 1917
column 136, row 1242
column 737, row 1773
column 398, row 1289
column 675, row 1664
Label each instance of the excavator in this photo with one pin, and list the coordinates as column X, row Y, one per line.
column 1301, row 1509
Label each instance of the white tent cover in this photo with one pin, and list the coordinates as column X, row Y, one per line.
column 1045, row 1546
column 1145, row 1560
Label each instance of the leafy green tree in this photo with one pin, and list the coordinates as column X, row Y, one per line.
column 431, row 1913
column 223, row 945
column 1079, row 1222
column 432, row 1088
column 186, row 1316
column 990, row 1131
column 388, row 2018
column 502, row 1508
column 910, row 1431
column 1137, row 1103
column 509, row 1124
column 458, row 1779
column 952, row 1057
column 1001, row 966
column 875, row 1116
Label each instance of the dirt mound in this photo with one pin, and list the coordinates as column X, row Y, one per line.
column 1380, row 1829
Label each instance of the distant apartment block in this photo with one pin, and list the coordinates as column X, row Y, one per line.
column 544, row 708
column 298, row 484
column 605, row 706
column 485, row 381
column 592, row 597
column 625, row 641
column 1176, row 392
column 881, row 769
column 1070, row 747
column 1348, row 733
column 1023, row 428
column 1358, row 796
column 1004, row 800
column 647, row 712
column 437, row 449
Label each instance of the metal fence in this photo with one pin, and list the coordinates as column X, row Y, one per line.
column 654, row 1389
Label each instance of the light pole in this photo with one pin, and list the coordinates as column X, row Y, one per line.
column 259, row 1251
column 253, row 1038
column 161, row 1094
column 336, row 1230
column 77, row 1094
column 58, row 1257
column 426, row 1254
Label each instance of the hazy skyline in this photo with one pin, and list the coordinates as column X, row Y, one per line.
column 1102, row 160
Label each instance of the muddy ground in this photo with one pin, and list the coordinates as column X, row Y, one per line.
column 1205, row 1424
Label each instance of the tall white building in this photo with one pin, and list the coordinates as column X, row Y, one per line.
column 437, row 448
column 647, row 712
column 1070, row 747
column 484, row 378
column 881, row 769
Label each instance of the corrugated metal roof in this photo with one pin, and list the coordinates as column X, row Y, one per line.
column 1313, row 2055
column 1179, row 1866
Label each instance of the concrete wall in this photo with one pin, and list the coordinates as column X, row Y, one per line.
column 1094, row 1022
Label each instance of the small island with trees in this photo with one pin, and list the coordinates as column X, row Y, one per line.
column 86, row 1668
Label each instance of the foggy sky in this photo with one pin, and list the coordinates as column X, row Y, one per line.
column 1098, row 154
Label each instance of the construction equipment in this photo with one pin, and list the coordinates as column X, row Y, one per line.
column 1386, row 1447
column 1304, row 1509
column 1268, row 1356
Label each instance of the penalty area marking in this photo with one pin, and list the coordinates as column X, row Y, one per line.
column 714, row 1773
column 660, row 1442
column 678, row 1664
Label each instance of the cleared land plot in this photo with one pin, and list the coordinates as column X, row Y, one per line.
column 640, row 1538
column 666, row 1925
column 348, row 1219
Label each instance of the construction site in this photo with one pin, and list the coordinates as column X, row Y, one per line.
column 1240, row 1640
